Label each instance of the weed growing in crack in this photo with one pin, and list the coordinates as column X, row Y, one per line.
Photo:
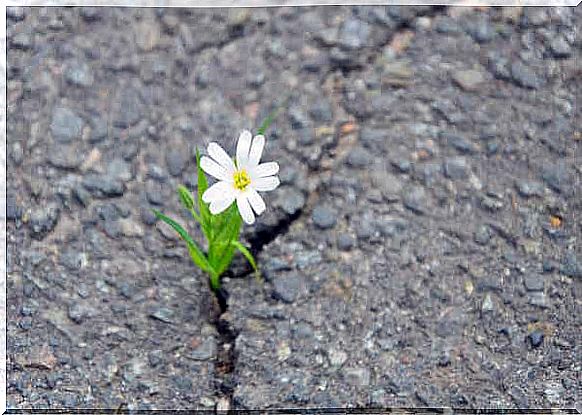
column 221, row 208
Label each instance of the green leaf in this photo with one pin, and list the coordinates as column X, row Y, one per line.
column 247, row 254
column 220, row 251
column 188, row 201
column 195, row 252
column 205, row 215
column 186, row 197
column 223, row 260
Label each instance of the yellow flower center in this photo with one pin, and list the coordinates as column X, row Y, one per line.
column 241, row 179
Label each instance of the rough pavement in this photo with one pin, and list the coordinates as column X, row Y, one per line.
column 423, row 249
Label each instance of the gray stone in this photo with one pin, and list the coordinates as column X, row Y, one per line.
column 154, row 193
column 336, row 357
column 100, row 185
column 79, row 73
column 22, row 40
column 457, row 168
column 524, row 76
column 324, row 217
column 538, row 299
column 371, row 137
column 354, row 34
column 147, row 216
column 534, row 282
column 359, row 158
column 65, row 157
column 391, row 226
column 130, row 228
column 446, row 25
column 81, row 195
column 17, row 153
column 73, row 260
column 327, row 37
column 298, row 118
column 557, row 177
column 487, row 305
column 80, row 311
column 163, row 314
column 572, row 266
column 428, row 172
column 553, row 391
column 147, row 34
column 359, row 376
column 120, row 169
column 99, row 129
column 290, row 200
column 535, row 16
column 129, row 108
column 481, row 30
column 288, row 287
column 157, row 173
column 345, row 242
column 43, row 219
column 483, row 235
column 133, row 369
column 528, row 188
column 13, row 211
column 498, row 66
column 491, row 204
column 403, row 165
column 307, row 259
column 415, row 199
column 321, row 111
column 459, row 143
column 66, row 126
column 469, row 80
column 205, row 351
column 560, row 48
column 176, row 160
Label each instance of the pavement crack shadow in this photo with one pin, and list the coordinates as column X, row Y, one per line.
column 225, row 363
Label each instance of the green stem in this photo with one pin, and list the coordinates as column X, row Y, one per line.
column 214, row 281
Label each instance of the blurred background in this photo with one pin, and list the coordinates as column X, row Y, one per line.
column 422, row 250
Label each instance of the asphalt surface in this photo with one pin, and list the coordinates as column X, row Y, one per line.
column 422, row 250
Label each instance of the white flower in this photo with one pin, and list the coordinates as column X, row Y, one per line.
column 241, row 181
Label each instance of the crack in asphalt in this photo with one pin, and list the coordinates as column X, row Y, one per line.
column 335, row 150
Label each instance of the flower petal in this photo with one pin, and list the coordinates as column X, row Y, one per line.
column 245, row 208
column 214, row 169
column 220, row 205
column 242, row 148
column 220, row 156
column 265, row 169
column 256, row 201
column 218, row 191
column 256, row 150
column 266, row 184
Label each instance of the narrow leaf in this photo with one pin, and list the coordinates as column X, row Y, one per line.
column 247, row 254
column 188, row 201
column 195, row 252
column 221, row 253
column 186, row 197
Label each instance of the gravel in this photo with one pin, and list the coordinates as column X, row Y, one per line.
column 324, row 217
column 66, row 125
column 423, row 154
